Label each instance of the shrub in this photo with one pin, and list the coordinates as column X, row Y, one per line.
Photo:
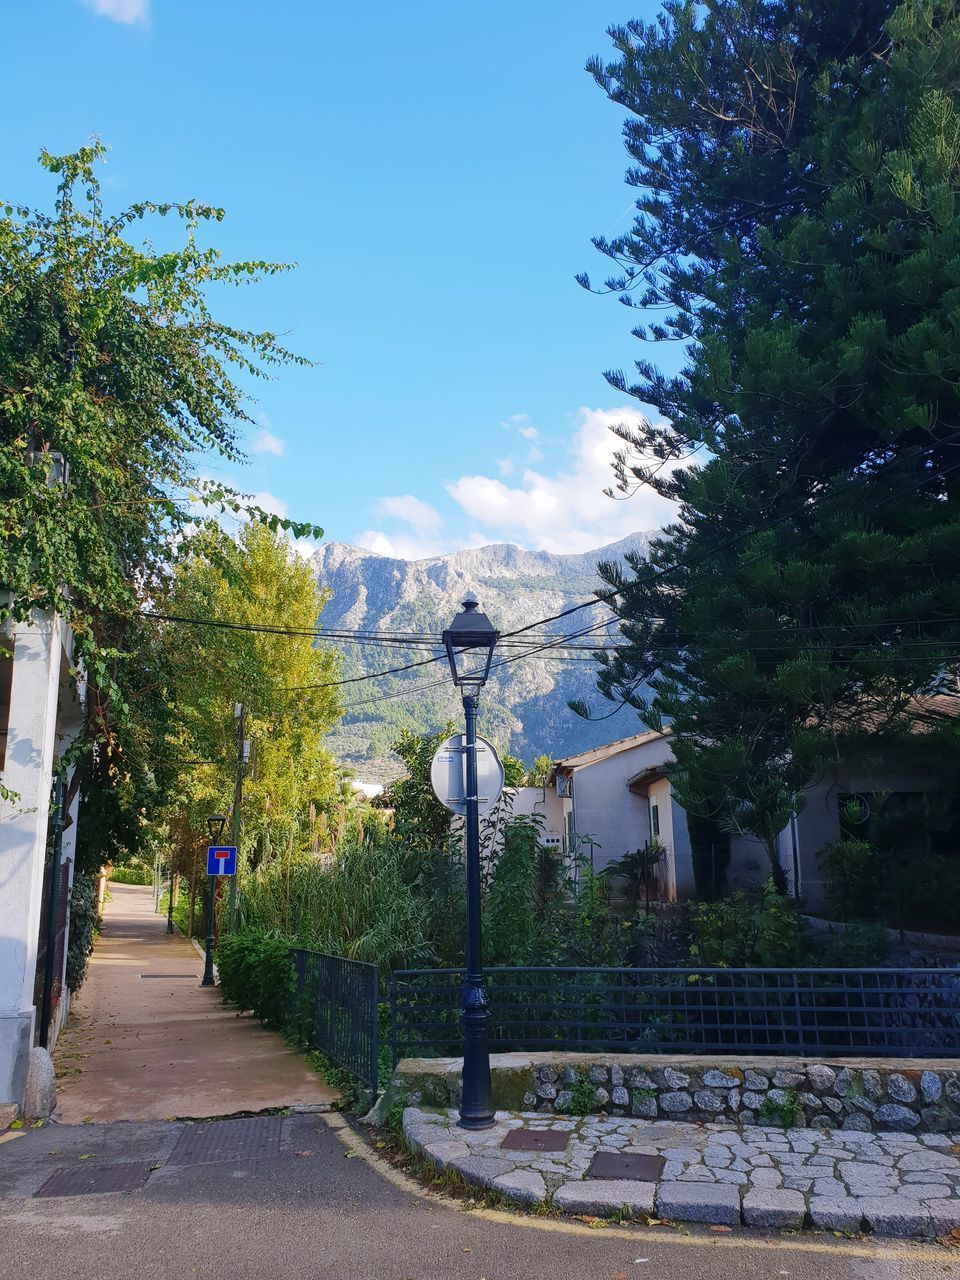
column 859, row 946
column 361, row 905
column 854, row 879
column 748, row 929
column 256, row 973
column 522, row 900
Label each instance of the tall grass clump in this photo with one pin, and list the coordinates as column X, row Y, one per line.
column 363, row 904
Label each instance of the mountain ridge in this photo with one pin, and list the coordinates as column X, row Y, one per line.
column 524, row 707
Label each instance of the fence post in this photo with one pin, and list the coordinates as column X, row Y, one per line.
column 374, row 1018
column 796, row 1005
column 393, row 1019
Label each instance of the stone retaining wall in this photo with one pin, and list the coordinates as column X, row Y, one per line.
column 848, row 1094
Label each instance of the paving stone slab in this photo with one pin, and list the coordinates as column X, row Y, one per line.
column 480, row 1170
column 945, row 1215
column 526, row 1186
column 892, row 1184
column 835, row 1212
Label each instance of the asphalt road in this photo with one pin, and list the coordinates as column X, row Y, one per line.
column 320, row 1207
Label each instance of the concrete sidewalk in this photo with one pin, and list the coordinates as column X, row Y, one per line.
column 144, row 1041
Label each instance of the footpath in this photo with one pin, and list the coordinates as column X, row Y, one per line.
column 144, row 1041
column 299, row 1193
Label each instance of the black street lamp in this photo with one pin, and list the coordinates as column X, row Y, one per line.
column 215, row 824
column 469, row 642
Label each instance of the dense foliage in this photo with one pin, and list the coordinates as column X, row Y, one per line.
column 110, row 358
column 798, row 167
column 84, row 926
column 418, row 816
column 363, row 904
column 117, row 385
column 256, row 973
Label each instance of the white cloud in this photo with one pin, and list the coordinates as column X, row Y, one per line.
column 529, row 433
column 304, row 548
column 266, row 442
column 412, row 511
column 568, row 511
column 505, row 466
column 128, row 11
column 269, row 502
column 400, row 546
column 419, row 541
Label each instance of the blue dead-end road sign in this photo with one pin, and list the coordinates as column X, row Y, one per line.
column 222, row 860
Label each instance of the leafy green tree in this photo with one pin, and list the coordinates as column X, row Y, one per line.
column 115, row 380
column 514, row 774
column 420, row 819
column 538, row 775
column 284, row 682
column 798, row 168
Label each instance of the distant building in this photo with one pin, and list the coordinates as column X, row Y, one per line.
column 614, row 799
column 368, row 789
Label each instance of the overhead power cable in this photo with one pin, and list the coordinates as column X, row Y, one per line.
column 560, row 640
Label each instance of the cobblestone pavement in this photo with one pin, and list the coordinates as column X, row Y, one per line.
column 894, row 1184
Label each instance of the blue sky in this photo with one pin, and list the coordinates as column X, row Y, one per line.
column 437, row 171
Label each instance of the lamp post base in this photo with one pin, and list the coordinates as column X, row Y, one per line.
column 476, row 1105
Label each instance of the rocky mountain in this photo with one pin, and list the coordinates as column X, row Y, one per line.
column 524, row 706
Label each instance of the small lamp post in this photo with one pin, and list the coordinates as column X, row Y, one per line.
column 469, row 641
column 215, row 824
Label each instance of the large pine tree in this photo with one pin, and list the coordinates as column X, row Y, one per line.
column 798, row 167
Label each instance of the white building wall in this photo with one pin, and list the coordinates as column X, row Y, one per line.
column 682, row 857
column 32, row 747
column 543, row 802
column 606, row 810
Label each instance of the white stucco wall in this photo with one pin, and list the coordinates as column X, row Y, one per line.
column 33, row 742
column 605, row 809
column 545, row 803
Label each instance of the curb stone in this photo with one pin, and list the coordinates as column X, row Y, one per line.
column 605, row 1196
column 709, row 1202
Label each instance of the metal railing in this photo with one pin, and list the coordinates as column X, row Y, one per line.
column 334, row 1009
column 906, row 1012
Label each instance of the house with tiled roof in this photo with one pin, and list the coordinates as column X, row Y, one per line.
column 611, row 800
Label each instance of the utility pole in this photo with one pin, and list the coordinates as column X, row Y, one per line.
column 243, row 755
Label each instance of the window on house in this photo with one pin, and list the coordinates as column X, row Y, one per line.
column 655, row 821
column 6, row 684
column 904, row 821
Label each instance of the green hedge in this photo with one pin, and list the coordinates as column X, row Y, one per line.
column 131, row 875
column 256, row 973
column 84, row 926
